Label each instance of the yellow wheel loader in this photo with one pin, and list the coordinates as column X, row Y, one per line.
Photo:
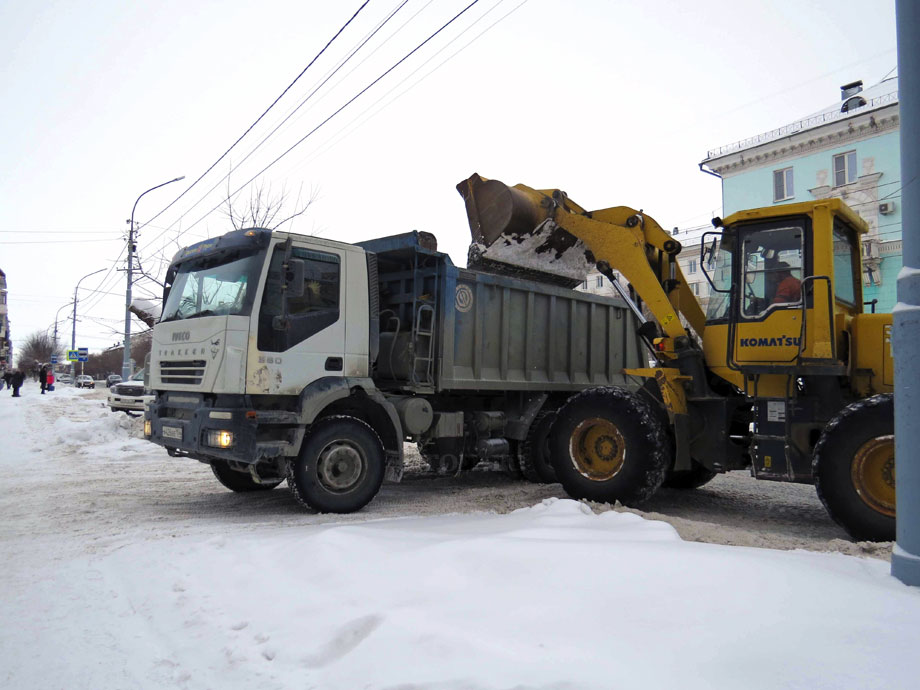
column 783, row 374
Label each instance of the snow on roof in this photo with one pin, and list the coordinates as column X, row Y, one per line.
column 877, row 96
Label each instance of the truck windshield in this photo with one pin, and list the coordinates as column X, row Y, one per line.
column 209, row 286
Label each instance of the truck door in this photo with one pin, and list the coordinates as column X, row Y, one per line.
column 772, row 268
column 285, row 357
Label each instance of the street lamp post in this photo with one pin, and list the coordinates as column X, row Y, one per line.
column 56, row 320
column 73, row 333
column 126, row 359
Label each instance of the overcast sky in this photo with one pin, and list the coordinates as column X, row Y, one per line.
column 614, row 102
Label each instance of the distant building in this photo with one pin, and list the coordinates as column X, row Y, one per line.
column 849, row 150
column 6, row 345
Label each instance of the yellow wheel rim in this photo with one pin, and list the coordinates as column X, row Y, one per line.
column 597, row 449
column 873, row 474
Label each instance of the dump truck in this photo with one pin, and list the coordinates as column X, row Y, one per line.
column 284, row 356
column 784, row 374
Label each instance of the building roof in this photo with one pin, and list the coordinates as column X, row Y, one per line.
column 877, row 96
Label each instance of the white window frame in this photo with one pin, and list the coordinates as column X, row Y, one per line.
column 849, row 167
column 788, row 184
column 691, row 266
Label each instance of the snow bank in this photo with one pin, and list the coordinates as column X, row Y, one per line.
column 548, row 597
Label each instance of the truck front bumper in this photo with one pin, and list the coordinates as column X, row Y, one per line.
column 189, row 424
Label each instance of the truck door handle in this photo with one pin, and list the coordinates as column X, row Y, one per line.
column 333, row 364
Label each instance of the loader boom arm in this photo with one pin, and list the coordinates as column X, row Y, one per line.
column 506, row 221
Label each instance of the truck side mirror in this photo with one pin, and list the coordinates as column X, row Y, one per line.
column 293, row 278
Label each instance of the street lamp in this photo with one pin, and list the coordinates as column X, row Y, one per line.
column 73, row 333
column 126, row 360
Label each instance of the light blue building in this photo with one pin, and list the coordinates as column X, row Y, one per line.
column 850, row 150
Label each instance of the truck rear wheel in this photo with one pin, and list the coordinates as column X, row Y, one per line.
column 607, row 445
column 238, row 481
column 340, row 467
column 533, row 454
column 854, row 469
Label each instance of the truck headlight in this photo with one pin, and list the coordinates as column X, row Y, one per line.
column 220, row 438
column 148, row 428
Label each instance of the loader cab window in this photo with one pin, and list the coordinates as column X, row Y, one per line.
column 772, row 268
column 846, row 261
column 316, row 310
column 716, row 262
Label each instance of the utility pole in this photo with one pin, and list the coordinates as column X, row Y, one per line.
column 126, row 370
column 905, row 341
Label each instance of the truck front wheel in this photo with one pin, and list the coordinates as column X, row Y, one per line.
column 607, row 445
column 340, row 467
column 853, row 466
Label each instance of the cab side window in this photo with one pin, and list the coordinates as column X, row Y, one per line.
column 309, row 314
column 772, row 271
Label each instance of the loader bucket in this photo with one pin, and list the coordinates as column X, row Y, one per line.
column 510, row 236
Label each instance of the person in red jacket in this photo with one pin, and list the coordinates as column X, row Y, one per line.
column 788, row 288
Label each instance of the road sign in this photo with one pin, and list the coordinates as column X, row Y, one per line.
column 73, row 355
column 54, row 359
column 83, row 359
column 83, row 351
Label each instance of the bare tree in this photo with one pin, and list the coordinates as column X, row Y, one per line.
column 264, row 207
column 38, row 348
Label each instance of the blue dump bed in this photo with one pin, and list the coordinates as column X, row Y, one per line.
column 446, row 328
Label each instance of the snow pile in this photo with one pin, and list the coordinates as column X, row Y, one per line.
column 548, row 597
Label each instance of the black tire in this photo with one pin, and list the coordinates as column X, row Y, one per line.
column 607, row 445
column 853, row 466
column 340, row 467
column 533, row 454
column 694, row 478
column 238, row 481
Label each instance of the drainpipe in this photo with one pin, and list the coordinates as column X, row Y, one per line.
column 905, row 342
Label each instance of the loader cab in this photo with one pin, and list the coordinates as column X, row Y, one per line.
column 785, row 280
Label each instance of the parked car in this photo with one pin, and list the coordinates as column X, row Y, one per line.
column 129, row 396
column 112, row 379
column 64, row 378
column 85, row 381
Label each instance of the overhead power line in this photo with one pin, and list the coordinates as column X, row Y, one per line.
column 293, row 111
column 259, row 119
column 337, row 111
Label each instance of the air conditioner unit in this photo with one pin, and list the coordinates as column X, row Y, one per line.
column 886, row 208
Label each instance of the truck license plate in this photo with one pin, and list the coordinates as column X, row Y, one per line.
column 172, row 432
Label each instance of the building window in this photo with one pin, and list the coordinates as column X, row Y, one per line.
column 691, row 266
column 600, row 281
column 584, row 285
column 844, row 168
column 696, row 288
column 782, row 184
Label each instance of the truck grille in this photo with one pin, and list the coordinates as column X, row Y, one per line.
column 187, row 372
column 131, row 391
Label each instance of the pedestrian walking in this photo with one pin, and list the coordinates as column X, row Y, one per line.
column 16, row 382
column 43, row 378
column 7, row 378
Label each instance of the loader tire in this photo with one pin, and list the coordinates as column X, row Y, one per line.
column 533, row 453
column 608, row 445
column 238, row 481
column 854, row 470
column 340, row 466
column 694, row 478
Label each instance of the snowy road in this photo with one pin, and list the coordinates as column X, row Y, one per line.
column 127, row 568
